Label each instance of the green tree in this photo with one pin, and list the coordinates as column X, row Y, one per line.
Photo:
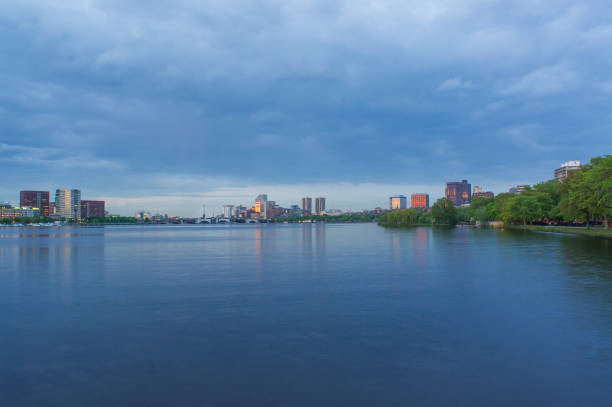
column 443, row 212
column 525, row 208
column 599, row 177
column 578, row 197
column 400, row 217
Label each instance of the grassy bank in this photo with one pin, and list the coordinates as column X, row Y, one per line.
column 593, row 232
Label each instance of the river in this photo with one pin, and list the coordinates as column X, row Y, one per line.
column 303, row 315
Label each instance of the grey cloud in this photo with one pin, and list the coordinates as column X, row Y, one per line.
column 304, row 91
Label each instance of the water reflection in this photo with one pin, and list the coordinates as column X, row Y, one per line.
column 306, row 239
column 320, row 238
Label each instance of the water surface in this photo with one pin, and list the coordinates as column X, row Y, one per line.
column 303, row 315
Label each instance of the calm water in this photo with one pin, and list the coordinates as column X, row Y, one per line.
column 303, row 315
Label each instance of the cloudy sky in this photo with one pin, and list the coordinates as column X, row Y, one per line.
column 169, row 104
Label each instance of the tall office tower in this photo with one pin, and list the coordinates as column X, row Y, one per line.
column 397, row 202
column 260, row 203
column 319, row 205
column 68, row 203
column 419, row 201
column 566, row 169
column 460, row 193
column 35, row 199
column 227, row 211
column 92, row 209
column 307, row 205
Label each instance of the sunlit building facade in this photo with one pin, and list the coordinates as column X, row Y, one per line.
column 397, row 202
column 419, row 201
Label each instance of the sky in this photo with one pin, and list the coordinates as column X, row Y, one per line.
column 170, row 105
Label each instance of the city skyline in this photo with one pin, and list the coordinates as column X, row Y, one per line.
column 217, row 204
column 386, row 99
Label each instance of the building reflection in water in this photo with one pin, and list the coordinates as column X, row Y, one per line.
column 306, row 239
column 320, row 236
column 420, row 248
column 57, row 255
column 258, row 241
column 410, row 247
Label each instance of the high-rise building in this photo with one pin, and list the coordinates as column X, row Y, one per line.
column 419, row 201
column 68, row 203
column 460, row 193
column 319, row 205
column 92, row 209
column 307, row 205
column 476, row 190
column 397, row 202
column 260, row 204
column 35, row 199
column 566, row 170
column 228, row 211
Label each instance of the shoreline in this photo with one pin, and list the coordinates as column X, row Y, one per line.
column 574, row 230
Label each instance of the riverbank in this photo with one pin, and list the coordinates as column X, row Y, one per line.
column 593, row 232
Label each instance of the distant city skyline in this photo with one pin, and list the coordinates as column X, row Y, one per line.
column 343, row 196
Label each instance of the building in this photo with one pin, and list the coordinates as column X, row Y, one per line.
column 92, row 209
column 477, row 192
column 28, row 212
column 566, row 170
column 307, row 205
column 460, row 193
column 319, row 205
column 68, row 203
column 397, row 202
column 228, row 211
column 487, row 194
column 35, row 199
column 519, row 189
column 9, row 211
column 51, row 208
column 240, row 211
column 260, row 205
column 419, row 201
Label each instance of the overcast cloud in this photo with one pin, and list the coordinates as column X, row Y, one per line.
column 166, row 105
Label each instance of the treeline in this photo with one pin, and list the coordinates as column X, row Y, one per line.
column 585, row 197
column 442, row 213
column 353, row 217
